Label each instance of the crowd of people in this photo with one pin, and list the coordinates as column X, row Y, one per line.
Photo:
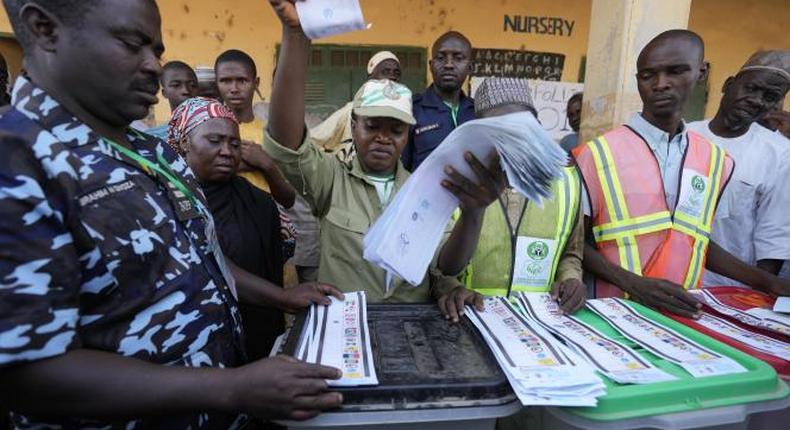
column 154, row 260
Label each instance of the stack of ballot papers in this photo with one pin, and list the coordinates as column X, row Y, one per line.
column 324, row 18
column 337, row 335
column 613, row 359
column 755, row 317
column 540, row 369
column 404, row 239
column 662, row 341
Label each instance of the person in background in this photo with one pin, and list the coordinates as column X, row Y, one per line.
column 207, row 82
column 574, row 113
column 651, row 190
column 118, row 308
column 523, row 246
column 348, row 197
column 179, row 83
column 5, row 96
column 443, row 106
column 334, row 134
column 237, row 81
column 751, row 219
column 248, row 221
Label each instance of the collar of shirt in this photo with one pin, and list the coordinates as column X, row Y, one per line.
column 657, row 139
column 432, row 98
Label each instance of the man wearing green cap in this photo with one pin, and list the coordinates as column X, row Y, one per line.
column 751, row 220
column 349, row 196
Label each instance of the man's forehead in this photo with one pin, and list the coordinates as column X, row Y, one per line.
column 229, row 69
column 451, row 43
column 136, row 15
column 668, row 53
column 179, row 74
column 765, row 78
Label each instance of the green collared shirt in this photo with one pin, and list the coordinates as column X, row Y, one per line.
column 346, row 202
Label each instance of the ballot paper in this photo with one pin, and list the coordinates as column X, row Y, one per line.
column 540, row 369
column 324, row 18
column 663, row 341
column 405, row 237
column 782, row 305
column 764, row 344
column 337, row 335
column 755, row 317
column 613, row 359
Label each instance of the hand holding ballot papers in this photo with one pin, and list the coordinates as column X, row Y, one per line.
column 404, row 239
column 337, row 335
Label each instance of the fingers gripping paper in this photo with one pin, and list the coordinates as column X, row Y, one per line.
column 404, row 239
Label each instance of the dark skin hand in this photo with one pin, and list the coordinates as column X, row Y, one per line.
column 778, row 120
column 571, row 294
column 724, row 263
column 84, row 384
column 253, row 155
column 452, row 304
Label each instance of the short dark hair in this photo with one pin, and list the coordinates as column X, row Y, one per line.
column 678, row 34
column 451, row 35
column 237, row 56
column 71, row 12
column 575, row 98
column 176, row 65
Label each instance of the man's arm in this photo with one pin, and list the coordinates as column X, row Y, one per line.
column 96, row 384
column 286, row 111
column 770, row 265
column 726, row 264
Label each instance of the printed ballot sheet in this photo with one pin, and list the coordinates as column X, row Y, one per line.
column 337, row 335
column 540, row 369
column 324, row 18
column 405, row 237
column 663, row 341
column 755, row 317
column 764, row 344
column 613, row 359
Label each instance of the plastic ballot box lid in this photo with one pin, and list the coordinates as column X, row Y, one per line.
column 422, row 361
column 758, row 386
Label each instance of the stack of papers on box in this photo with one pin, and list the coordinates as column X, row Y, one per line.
column 613, row 359
column 755, row 317
column 404, row 239
column 337, row 335
column 541, row 370
column 662, row 341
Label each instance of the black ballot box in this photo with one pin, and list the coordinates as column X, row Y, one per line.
column 429, row 370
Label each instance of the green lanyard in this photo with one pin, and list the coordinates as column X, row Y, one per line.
column 162, row 168
column 453, row 112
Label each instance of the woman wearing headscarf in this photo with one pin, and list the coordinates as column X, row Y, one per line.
column 206, row 133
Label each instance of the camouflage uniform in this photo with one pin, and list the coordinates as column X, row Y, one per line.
column 94, row 256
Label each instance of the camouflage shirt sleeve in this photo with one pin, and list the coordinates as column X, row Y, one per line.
column 39, row 266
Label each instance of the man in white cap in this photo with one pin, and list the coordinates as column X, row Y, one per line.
column 334, row 134
column 751, row 220
column 348, row 197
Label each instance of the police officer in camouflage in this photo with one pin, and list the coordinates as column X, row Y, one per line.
column 117, row 306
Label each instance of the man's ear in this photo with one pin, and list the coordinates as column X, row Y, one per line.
column 42, row 26
column 703, row 71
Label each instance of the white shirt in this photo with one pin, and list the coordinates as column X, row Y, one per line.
column 668, row 153
column 752, row 220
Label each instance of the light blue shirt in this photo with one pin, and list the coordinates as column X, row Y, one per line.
column 668, row 153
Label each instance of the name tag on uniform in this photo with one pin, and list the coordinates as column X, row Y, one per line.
column 423, row 129
column 693, row 190
column 534, row 257
column 185, row 208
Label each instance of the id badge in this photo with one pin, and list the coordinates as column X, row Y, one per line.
column 534, row 257
column 693, row 191
column 185, row 209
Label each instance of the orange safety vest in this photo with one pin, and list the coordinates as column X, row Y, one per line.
column 632, row 224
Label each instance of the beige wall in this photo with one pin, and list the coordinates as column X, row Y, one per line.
column 197, row 31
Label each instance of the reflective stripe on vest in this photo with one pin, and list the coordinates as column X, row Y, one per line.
column 626, row 230
column 491, row 270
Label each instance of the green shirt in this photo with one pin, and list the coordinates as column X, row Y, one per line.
column 346, row 202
